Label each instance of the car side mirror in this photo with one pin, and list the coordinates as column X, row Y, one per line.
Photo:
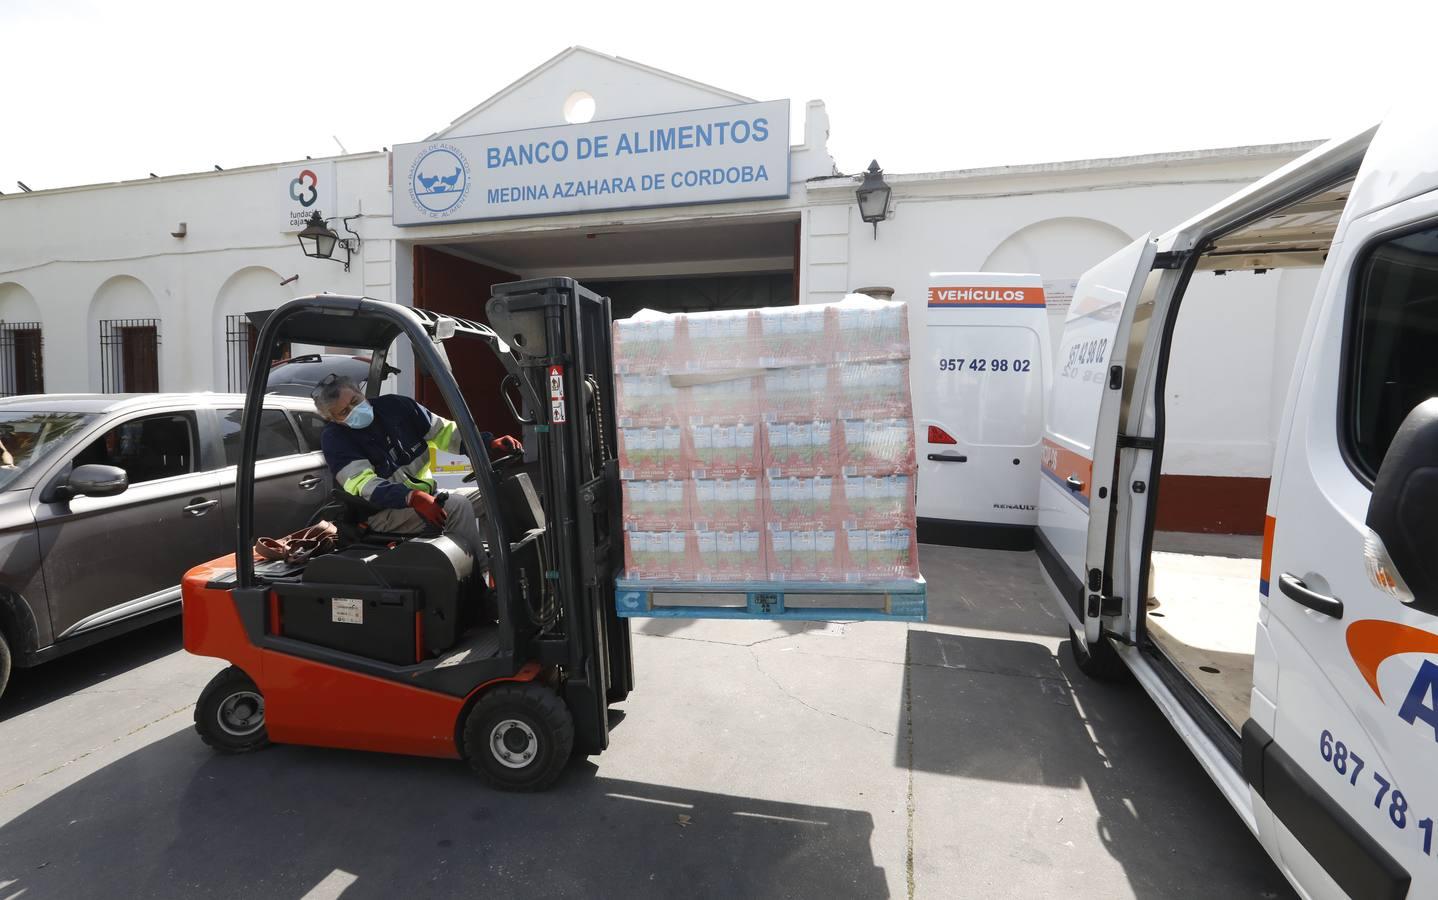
column 97, row 481
column 1403, row 512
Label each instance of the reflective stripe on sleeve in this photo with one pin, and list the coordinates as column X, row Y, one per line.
column 446, row 438
column 359, row 478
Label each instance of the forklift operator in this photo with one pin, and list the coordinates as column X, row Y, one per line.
column 379, row 451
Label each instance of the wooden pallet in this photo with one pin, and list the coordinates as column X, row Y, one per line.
column 898, row 601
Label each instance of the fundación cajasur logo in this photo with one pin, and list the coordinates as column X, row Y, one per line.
column 439, row 180
column 304, row 190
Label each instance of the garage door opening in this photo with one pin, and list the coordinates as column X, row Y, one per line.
column 676, row 268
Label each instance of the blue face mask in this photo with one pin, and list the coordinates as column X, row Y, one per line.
column 361, row 416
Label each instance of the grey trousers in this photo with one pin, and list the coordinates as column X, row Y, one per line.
column 460, row 522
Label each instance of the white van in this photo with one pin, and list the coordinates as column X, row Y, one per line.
column 980, row 371
column 1300, row 665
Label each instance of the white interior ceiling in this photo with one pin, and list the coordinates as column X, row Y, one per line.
column 742, row 245
column 1296, row 235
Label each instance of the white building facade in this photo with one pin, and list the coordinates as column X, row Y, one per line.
column 143, row 285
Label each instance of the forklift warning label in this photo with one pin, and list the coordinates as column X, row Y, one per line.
column 556, row 395
column 347, row 610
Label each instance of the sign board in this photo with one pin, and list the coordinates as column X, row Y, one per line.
column 699, row 156
column 1060, row 293
column 302, row 188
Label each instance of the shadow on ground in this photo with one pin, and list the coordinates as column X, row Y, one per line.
column 36, row 686
column 280, row 822
column 1011, row 711
column 997, row 590
column 674, row 627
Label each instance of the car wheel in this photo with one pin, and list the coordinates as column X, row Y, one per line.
column 4, row 664
column 230, row 714
column 1098, row 661
column 518, row 737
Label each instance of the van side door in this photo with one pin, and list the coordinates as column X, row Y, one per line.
column 1081, row 432
column 1344, row 754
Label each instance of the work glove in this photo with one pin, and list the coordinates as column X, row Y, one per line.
column 505, row 445
column 427, row 506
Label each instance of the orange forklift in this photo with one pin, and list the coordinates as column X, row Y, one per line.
column 508, row 659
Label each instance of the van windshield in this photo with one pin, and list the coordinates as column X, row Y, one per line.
column 28, row 438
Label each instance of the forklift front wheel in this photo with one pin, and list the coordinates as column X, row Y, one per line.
column 230, row 714
column 518, row 737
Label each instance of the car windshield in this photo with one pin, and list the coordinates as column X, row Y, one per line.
column 28, row 438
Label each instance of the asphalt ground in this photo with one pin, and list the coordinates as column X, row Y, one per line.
column 964, row 757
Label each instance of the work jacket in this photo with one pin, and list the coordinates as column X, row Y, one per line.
column 390, row 457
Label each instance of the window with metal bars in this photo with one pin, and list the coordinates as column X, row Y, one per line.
column 239, row 350
column 22, row 359
column 129, row 355
column 240, row 339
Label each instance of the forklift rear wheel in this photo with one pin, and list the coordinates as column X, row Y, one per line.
column 518, row 737
column 1098, row 661
column 230, row 714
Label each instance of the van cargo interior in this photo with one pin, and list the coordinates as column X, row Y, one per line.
column 1203, row 595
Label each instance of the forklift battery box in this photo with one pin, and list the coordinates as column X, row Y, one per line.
column 376, row 623
column 398, row 603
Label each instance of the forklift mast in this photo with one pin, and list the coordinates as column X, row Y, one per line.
column 560, row 336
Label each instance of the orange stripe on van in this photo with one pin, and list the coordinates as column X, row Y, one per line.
column 962, row 296
column 1371, row 641
column 1265, row 565
column 1061, row 462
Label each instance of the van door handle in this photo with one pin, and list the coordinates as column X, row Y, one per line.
column 1297, row 591
column 1073, row 483
column 939, row 457
column 199, row 506
column 310, row 482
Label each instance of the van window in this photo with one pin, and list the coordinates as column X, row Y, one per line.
column 1392, row 363
column 277, row 438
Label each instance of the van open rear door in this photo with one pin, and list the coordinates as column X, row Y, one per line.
column 1081, row 429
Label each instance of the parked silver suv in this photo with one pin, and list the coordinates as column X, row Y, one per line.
column 107, row 500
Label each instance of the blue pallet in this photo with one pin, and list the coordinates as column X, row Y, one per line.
column 893, row 601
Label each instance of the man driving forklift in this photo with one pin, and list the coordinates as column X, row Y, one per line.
column 379, row 451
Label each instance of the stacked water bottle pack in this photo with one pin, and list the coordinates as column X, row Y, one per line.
column 769, row 444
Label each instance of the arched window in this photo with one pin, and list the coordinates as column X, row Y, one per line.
column 251, row 289
column 125, row 324
column 22, row 343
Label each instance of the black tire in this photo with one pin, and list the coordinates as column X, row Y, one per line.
column 518, row 737
column 1098, row 661
column 230, row 714
column 4, row 664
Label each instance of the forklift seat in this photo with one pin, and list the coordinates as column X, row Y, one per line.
column 350, row 514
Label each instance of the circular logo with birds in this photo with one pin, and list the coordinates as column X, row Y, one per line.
column 439, row 180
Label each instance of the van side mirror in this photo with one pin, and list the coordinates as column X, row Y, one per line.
column 1403, row 511
column 97, row 481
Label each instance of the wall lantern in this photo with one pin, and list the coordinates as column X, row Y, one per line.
column 873, row 197
column 319, row 240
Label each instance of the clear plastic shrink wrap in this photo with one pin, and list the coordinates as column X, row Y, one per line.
column 772, row 444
